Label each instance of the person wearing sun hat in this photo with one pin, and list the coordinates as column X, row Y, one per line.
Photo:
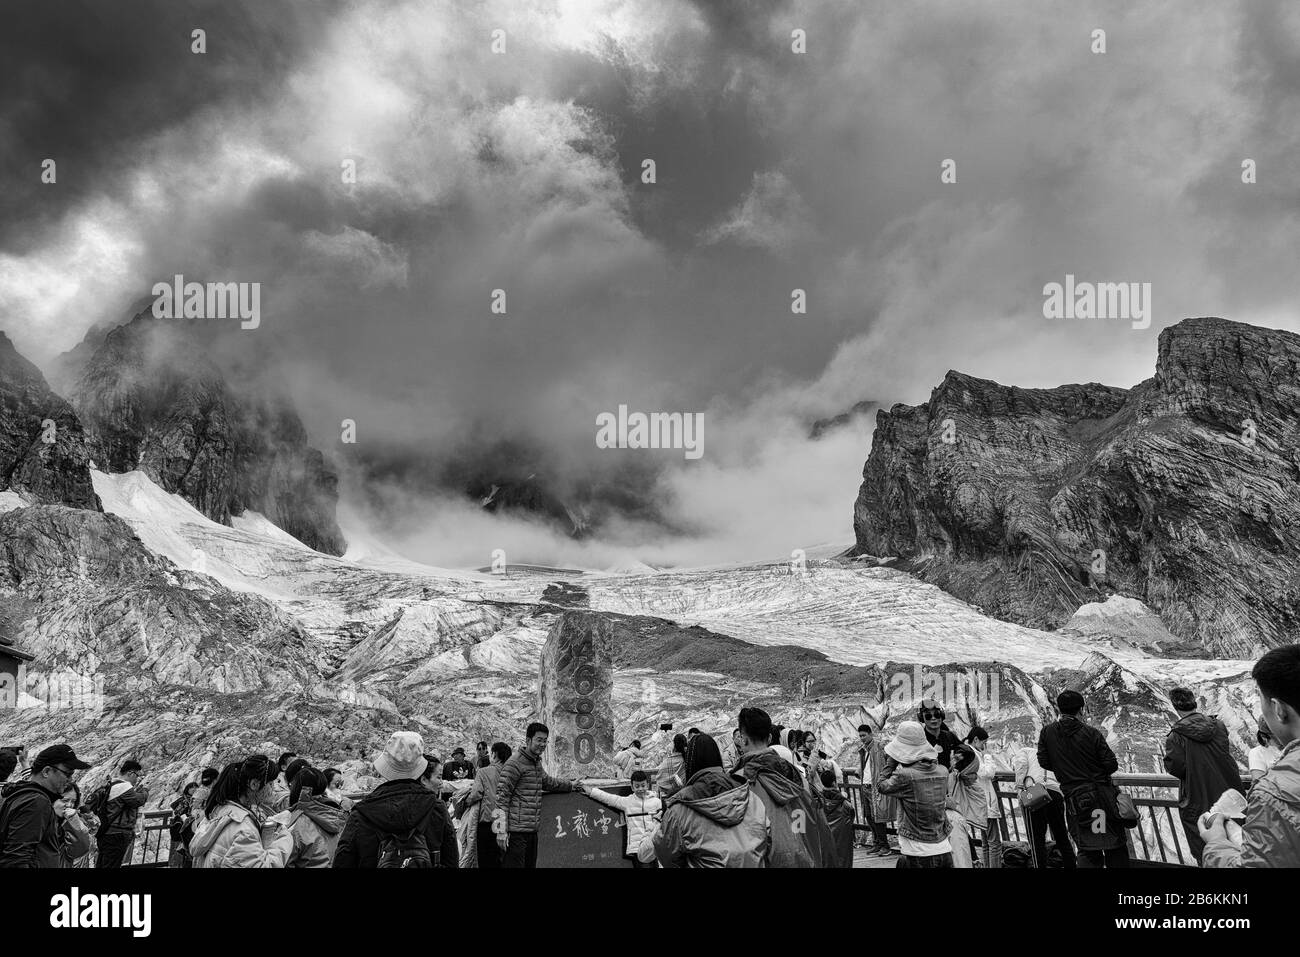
column 398, row 807
column 921, row 785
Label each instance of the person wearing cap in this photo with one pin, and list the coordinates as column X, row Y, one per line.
column 458, row 769
column 1077, row 753
column 121, row 810
column 920, row 783
column 30, row 831
column 398, row 807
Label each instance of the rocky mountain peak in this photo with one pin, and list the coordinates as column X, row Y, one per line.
column 43, row 455
column 1181, row 492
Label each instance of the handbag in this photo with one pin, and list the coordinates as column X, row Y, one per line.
column 1127, row 808
column 1034, row 796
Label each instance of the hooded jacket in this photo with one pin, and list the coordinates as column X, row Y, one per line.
column 30, row 835
column 715, row 820
column 839, row 818
column 520, row 790
column 1196, row 752
column 233, row 837
column 397, row 807
column 1271, row 835
column 316, row 824
column 797, row 821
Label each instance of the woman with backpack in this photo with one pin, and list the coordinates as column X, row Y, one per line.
column 315, row 820
column 235, row 833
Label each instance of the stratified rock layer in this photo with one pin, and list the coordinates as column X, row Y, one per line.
column 51, row 472
column 574, row 693
column 1183, row 492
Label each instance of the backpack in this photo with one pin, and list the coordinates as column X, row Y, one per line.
column 409, row 849
column 99, row 804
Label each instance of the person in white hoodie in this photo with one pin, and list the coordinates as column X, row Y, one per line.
column 1025, row 766
column 235, row 832
column 639, row 809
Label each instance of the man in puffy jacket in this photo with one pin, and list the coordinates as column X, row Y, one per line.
column 397, row 808
column 519, row 799
column 30, row 835
column 1270, row 836
column 800, row 835
column 1083, row 762
column 126, row 795
column 715, row 820
column 1196, row 752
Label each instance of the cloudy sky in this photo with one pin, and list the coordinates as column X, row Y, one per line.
column 776, row 170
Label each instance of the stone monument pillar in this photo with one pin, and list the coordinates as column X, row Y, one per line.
column 573, row 696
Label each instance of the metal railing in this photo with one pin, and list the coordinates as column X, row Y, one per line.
column 1158, row 839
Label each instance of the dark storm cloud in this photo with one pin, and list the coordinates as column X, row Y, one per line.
column 87, row 83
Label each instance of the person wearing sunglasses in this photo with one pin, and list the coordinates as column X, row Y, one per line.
column 30, row 833
column 931, row 715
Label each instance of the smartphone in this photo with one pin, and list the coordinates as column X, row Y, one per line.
column 666, row 727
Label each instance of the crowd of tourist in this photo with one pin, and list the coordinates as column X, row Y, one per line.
column 778, row 800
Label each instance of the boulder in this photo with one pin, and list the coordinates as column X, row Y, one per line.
column 574, row 696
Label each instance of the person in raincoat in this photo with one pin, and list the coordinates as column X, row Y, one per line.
column 715, row 819
column 235, row 831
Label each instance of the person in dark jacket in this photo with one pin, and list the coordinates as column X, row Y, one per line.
column 395, row 808
column 458, row 769
column 715, row 819
column 481, row 757
column 931, row 715
column 839, row 816
column 1083, row 762
column 800, row 835
column 1196, row 752
column 126, row 795
column 519, row 799
column 30, row 833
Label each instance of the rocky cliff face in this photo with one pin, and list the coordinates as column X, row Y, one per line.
column 1183, row 492
column 151, row 401
column 43, row 455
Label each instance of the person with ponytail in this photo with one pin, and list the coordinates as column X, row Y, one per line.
column 715, row 820
column 315, row 820
column 234, row 832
